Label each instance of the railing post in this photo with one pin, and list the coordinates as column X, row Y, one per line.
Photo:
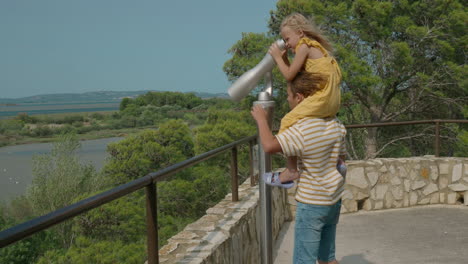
column 234, row 175
column 251, row 163
column 152, row 224
column 437, row 138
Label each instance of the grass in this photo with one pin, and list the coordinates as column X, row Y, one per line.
column 10, row 139
column 106, row 133
column 63, row 115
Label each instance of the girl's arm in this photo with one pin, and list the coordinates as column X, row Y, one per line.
column 285, row 58
column 291, row 164
column 289, row 71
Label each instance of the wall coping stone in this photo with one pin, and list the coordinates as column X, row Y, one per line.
column 229, row 232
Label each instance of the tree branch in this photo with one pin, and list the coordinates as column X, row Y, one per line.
column 398, row 139
column 393, row 115
column 362, row 98
column 351, row 144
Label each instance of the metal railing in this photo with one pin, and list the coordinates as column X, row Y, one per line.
column 436, row 122
column 149, row 181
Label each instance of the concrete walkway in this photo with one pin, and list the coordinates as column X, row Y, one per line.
column 426, row 234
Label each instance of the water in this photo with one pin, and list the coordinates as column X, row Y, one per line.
column 8, row 111
column 16, row 163
column 9, row 114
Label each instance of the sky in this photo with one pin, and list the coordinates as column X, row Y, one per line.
column 77, row 46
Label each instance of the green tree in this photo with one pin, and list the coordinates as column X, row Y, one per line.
column 28, row 249
column 87, row 250
column 221, row 128
column 191, row 197
column 122, row 219
column 184, row 100
column 181, row 198
column 462, row 149
column 401, row 60
column 124, row 103
column 59, row 177
column 148, row 151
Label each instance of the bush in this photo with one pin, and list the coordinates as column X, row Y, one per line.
column 26, row 118
column 72, row 119
column 42, row 131
column 97, row 116
column 118, row 220
column 59, row 178
column 86, row 251
column 66, row 129
column 11, row 126
column 128, row 121
column 28, row 249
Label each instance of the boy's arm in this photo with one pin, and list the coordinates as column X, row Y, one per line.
column 269, row 142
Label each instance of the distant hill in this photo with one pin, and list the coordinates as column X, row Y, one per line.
column 90, row 97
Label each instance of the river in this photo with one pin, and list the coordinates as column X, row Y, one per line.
column 16, row 163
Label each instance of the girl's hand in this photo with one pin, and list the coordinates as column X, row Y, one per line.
column 258, row 113
column 276, row 52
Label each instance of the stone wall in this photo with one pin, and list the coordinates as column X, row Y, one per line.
column 395, row 183
column 229, row 232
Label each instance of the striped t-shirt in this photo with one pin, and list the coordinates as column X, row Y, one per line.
column 317, row 143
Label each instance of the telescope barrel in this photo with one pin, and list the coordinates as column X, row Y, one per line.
column 249, row 80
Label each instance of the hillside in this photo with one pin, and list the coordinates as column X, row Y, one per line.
column 88, row 97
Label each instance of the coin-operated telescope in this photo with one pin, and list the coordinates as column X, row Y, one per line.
column 238, row 90
column 242, row 86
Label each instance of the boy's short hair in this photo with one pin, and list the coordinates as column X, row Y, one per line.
column 307, row 83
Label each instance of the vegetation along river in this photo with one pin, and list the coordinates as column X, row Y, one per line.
column 16, row 163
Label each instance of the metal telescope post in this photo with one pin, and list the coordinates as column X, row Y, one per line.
column 265, row 99
column 238, row 90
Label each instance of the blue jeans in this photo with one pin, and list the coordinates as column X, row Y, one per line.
column 315, row 232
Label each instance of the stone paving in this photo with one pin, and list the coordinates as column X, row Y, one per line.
column 424, row 234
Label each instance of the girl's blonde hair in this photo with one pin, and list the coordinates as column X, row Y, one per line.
column 298, row 22
column 307, row 83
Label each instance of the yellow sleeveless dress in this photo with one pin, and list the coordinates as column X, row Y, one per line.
column 326, row 101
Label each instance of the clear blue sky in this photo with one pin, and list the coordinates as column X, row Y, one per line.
column 75, row 46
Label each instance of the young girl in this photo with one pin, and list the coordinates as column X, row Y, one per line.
column 311, row 51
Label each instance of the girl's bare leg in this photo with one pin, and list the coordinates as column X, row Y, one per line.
column 290, row 173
